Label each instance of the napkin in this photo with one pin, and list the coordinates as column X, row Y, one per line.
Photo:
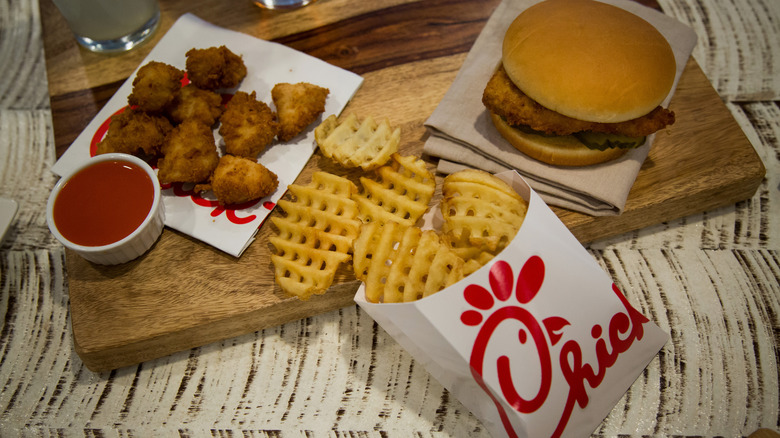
column 462, row 134
column 229, row 229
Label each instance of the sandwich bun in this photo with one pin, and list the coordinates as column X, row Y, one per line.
column 588, row 60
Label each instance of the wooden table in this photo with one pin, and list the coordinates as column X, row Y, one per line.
column 408, row 54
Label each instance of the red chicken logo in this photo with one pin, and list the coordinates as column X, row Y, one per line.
column 494, row 307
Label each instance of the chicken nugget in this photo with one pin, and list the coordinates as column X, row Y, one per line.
column 248, row 125
column 237, row 180
column 136, row 133
column 215, row 67
column 191, row 102
column 297, row 106
column 189, row 154
column 154, row 86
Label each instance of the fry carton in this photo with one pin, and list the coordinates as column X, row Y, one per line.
column 538, row 342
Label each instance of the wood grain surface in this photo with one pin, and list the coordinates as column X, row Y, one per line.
column 711, row 279
column 703, row 161
column 184, row 294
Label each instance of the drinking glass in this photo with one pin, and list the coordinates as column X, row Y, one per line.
column 282, row 4
column 110, row 25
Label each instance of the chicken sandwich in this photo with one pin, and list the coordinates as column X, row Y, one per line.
column 580, row 82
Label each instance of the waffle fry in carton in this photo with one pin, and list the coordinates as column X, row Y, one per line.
column 401, row 264
column 481, row 215
column 537, row 342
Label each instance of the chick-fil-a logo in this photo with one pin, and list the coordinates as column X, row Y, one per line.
column 229, row 210
column 623, row 330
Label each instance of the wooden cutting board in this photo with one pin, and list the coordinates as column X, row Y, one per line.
column 184, row 294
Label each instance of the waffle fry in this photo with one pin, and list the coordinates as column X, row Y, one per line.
column 351, row 143
column 402, row 194
column 402, row 264
column 481, row 215
column 315, row 236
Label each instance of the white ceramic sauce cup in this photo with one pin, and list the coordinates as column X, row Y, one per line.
column 133, row 245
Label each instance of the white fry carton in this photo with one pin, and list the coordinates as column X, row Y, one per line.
column 539, row 342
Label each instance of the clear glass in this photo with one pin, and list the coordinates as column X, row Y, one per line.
column 283, row 4
column 110, row 25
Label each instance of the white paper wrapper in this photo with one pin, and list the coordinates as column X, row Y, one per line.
column 233, row 229
column 538, row 342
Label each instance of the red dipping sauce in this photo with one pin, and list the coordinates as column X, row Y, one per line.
column 103, row 203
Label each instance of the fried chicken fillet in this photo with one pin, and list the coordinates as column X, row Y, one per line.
column 214, row 67
column 248, row 125
column 136, row 133
column 297, row 106
column 189, row 154
column 502, row 97
column 237, row 180
column 154, row 86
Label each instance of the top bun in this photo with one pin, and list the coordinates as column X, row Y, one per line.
column 589, row 60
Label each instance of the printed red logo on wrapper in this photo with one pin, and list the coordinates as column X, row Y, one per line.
column 229, row 210
column 623, row 329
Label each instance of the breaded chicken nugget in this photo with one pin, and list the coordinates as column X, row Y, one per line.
column 193, row 103
column 189, row 154
column 237, row 180
column 154, row 86
column 297, row 106
column 248, row 125
column 215, row 67
column 136, row 133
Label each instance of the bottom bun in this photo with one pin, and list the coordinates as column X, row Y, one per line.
column 558, row 150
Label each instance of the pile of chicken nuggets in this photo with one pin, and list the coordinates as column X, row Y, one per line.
column 171, row 125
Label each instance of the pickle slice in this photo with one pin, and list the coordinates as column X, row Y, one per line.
column 601, row 141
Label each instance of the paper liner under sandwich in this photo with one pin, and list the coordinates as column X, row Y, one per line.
column 538, row 342
column 230, row 229
column 462, row 133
